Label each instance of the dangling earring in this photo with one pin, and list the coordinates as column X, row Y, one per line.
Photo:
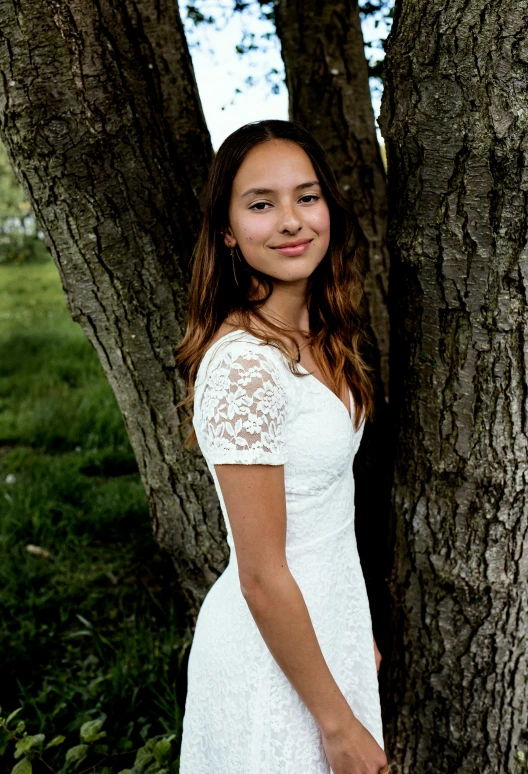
column 233, row 262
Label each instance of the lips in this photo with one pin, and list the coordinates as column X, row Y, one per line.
column 293, row 244
column 292, row 249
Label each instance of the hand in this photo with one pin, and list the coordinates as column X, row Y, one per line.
column 378, row 656
column 353, row 750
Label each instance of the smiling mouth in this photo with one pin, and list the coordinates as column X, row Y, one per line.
column 294, row 249
column 288, row 245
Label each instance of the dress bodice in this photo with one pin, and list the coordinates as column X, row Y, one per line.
column 249, row 408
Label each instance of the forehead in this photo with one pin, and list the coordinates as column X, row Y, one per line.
column 274, row 164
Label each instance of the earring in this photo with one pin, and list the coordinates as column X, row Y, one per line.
column 233, row 262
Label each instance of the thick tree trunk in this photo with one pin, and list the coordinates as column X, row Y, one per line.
column 328, row 83
column 454, row 117
column 101, row 117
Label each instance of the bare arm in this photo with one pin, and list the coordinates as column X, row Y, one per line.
column 249, row 461
column 256, row 504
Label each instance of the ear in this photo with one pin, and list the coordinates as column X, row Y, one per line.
column 229, row 239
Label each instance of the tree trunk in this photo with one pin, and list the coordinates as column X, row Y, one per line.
column 101, row 117
column 454, row 118
column 328, row 84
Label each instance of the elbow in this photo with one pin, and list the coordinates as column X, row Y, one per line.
column 251, row 583
column 258, row 583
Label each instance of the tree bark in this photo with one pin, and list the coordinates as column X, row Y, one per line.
column 454, row 118
column 328, row 84
column 100, row 113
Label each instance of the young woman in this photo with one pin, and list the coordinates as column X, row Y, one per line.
column 282, row 675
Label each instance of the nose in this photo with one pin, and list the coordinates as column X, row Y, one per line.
column 289, row 220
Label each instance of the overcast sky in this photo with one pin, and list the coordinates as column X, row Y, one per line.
column 220, row 71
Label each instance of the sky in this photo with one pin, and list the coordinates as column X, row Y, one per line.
column 229, row 99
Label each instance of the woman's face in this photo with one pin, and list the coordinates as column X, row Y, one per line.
column 277, row 214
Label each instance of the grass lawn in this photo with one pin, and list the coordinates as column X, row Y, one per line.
column 88, row 625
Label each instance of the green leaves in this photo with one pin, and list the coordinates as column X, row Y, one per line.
column 157, row 755
column 13, row 715
column 154, row 758
column 90, row 730
column 162, row 751
column 76, row 753
column 28, row 743
column 55, row 741
column 22, row 767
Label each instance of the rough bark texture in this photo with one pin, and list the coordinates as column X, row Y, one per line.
column 327, row 78
column 455, row 120
column 101, row 117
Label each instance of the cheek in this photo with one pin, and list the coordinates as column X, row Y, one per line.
column 253, row 229
column 320, row 221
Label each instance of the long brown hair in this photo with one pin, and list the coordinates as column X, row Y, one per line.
column 334, row 288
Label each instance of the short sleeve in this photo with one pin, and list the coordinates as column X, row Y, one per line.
column 243, row 410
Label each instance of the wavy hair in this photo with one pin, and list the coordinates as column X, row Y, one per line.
column 334, row 288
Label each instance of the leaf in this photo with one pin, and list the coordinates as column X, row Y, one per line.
column 27, row 743
column 162, row 751
column 76, row 753
column 22, row 767
column 143, row 756
column 85, row 622
column 90, row 730
column 55, row 741
column 13, row 714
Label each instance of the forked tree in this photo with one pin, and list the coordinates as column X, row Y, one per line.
column 101, row 117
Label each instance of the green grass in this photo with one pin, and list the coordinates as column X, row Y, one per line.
column 89, row 623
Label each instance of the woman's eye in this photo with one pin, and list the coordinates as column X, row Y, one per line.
column 258, row 206
column 314, row 197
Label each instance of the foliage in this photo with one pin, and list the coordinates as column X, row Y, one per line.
column 258, row 42
column 89, row 613
column 155, row 756
column 13, row 205
column 20, row 239
column 521, row 763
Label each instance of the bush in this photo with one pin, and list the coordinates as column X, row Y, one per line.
column 16, row 248
column 155, row 756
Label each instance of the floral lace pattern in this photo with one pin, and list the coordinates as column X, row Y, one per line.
column 242, row 411
column 242, row 715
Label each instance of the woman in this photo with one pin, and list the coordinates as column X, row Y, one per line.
column 282, row 675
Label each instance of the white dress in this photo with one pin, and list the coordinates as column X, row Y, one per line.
column 242, row 715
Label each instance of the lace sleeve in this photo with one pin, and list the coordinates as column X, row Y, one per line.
column 243, row 411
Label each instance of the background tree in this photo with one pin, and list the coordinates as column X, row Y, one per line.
column 454, row 118
column 102, row 120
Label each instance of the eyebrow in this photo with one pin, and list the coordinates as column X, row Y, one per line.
column 264, row 191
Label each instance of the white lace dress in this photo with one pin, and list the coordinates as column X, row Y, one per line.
column 242, row 715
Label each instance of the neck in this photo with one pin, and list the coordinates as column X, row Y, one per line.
column 288, row 303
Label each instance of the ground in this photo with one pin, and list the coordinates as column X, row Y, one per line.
column 88, row 621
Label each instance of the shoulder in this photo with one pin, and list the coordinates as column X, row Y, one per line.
column 241, row 402
column 240, row 357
